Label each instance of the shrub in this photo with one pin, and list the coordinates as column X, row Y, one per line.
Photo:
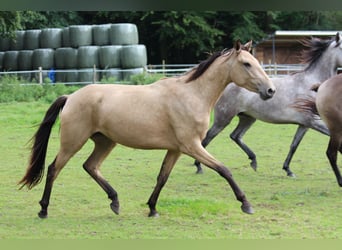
column 145, row 78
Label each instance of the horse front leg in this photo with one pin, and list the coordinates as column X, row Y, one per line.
column 301, row 130
column 198, row 152
column 331, row 152
column 169, row 161
column 245, row 122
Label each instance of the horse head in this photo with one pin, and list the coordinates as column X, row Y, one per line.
column 246, row 72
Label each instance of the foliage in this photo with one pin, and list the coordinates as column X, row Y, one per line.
column 9, row 22
column 11, row 90
column 145, row 78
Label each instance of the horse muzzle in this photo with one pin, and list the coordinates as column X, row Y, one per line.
column 267, row 94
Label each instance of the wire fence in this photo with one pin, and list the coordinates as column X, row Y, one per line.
column 96, row 75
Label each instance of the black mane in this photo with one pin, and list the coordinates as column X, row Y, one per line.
column 203, row 66
column 316, row 48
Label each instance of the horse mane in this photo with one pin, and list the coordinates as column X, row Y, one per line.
column 197, row 71
column 316, row 48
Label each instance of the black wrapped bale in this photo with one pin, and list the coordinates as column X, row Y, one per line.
column 109, row 56
column 51, row 38
column 43, row 58
column 66, row 58
column 101, row 34
column 25, row 59
column 133, row 56
column 65, row 37
column 111, row 73
column 5, row 43
column 123, row 34
column 18, row 42
column 87, row 75
column 1, row 60
column 69, row 76
column 80, row 35
column 31, row 39
column 87, row 57
column 127, row 73
column 10, row 60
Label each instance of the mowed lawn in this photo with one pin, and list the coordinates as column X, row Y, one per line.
column 191, row 206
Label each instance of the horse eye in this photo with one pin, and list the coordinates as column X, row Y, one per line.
column 247, row 65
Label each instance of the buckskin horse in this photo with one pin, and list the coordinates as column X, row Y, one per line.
column 172, row 114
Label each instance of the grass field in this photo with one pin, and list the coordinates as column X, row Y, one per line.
column 191, row 206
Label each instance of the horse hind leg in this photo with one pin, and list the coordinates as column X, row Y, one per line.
column 54, row 169
column 301, row 130
column 169, row 161
column 103, row 146
column 245, row 122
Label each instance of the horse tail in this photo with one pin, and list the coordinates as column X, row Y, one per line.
column 307, row 105
column 35, row 169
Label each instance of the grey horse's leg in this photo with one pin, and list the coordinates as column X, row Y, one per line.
column 301, row 130
column 211, row 134
column 245, row 122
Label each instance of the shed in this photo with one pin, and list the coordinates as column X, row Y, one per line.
column 284, row 47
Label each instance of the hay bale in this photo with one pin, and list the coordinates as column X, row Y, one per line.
column 133, row 56
column 5, row 43
column 25, row 59
column 80, row 35
column 101, row 34
column 126, row 74
column 66, row 58
column 65, row 37
column 123, row 34
column 18, row 42
column 1, row 59
column 31, row 39
column 50, row 38
column 10, row 60
column 43, row 58
column 109, row 56
column 87, row 56
column 87, row 75
column 70, row 75
column 112, row 73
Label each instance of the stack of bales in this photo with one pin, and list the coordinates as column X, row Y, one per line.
column 74, row 51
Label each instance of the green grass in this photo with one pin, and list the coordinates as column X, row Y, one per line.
column 191, row 206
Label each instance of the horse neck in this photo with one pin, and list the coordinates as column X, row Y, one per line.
column 212, row 83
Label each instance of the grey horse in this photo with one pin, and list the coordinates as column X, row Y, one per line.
column 322, row 58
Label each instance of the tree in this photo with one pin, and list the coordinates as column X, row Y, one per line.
column 9, row 23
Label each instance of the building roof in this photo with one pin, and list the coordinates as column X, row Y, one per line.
column 293, row 36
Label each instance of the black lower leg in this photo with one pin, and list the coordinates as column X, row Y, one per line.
column 44, row 202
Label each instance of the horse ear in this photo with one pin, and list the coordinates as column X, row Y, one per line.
column 248, row 46
column 237, row 46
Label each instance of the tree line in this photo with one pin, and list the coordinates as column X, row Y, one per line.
column 180, row 36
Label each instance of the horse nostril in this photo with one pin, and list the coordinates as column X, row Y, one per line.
column 270, row 92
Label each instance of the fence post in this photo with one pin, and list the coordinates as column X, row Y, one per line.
column 163, row 67
column 94, row 74
column 40, row 75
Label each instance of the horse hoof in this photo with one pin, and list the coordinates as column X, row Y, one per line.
column 153, row 214
column 254, row 166
column 292, row 175
column 115, row 207
column 199, row 171
column 247, row 208
column 42, row 215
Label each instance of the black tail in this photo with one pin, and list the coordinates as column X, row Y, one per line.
column 35, row 170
